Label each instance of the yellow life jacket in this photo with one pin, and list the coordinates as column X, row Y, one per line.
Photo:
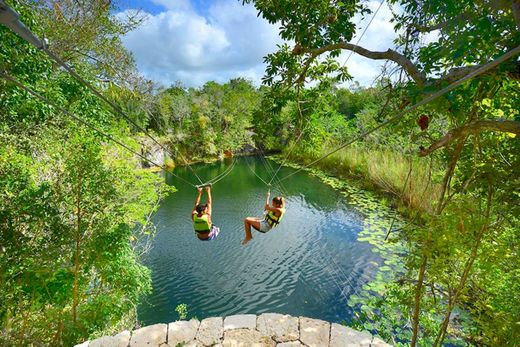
column 272, row 219
column 201, row 224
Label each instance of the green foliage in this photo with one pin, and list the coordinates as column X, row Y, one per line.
column 470, row 213
column 207, row 121
column 182, row 311
column 75, row 208
column 68, row 222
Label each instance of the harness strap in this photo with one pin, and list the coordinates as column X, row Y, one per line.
column 271, row 221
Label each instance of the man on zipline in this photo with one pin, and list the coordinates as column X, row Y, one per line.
column 201, row 216
column 273, row 217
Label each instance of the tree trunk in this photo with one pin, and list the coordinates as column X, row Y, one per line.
column 449, row 173
column 77, row 252
column 516, row 12
column 465, row 274
column 418, row 296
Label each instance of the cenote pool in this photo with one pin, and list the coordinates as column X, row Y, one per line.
column 310, row 265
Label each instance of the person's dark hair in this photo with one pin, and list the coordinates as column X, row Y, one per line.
column 278, row 201
column 200, row 208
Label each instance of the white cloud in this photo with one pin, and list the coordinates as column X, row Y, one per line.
column 378, row 37
column 183, row 5
column 181, row 45
column 230, row 41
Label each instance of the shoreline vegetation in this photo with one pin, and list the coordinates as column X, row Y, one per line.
column 76, row 201
column 407, row 180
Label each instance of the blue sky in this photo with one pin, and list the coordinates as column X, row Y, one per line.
column 146, row 5
column 195, row 41
column 156, row 7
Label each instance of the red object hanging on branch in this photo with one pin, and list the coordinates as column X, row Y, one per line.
column 423, row 122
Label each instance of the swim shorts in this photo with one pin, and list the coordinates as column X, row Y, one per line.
column 212, row 234
column 264, row 226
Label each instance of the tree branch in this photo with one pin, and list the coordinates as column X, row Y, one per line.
column 426, row 29
column 411, row 69
column 308, row 62
column 516, row 12
column 418, row 76
column 458, row 72
column 505, row 126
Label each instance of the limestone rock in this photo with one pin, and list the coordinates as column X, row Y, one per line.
column 193, row 343
column 120, row 340
column 246, row 338
column 292, row 344
column 241, row 321
column 182, row 332
column 272, row 329
column 314, row 332
column 377, row 342
column 150, row 336
column 210, row 331
column 282, row 328
column 342, row 336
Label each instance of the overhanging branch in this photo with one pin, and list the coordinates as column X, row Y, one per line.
column 505, row 126
column 408, row 66
column 411, row 69
column 429, row 28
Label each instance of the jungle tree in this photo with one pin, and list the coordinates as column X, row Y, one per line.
column 477, row 147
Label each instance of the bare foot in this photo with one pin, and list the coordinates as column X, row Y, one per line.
column 246, row 240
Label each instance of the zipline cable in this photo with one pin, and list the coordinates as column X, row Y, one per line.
column 364, row 31
column 116, row 108
column 221, row 176
column 290, row 150
column 253, row 171
column 270, row 171
column 263, row 181
column 515, row 51
column 12, row 21
column 286, row 157
column 344, row 63
column 334, row 278
column 85, row 123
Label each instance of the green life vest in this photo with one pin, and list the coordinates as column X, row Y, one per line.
column 201, row 224
column 272, row 219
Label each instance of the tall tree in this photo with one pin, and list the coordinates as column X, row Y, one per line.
column 482, row 115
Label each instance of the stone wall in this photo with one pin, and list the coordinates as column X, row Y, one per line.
column 248, row 330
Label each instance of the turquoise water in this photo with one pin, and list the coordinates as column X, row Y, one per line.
column 309, row 265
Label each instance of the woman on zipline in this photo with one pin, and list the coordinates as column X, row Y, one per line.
column 201, row 216
column 273, row 216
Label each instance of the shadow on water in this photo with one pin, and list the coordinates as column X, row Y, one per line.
column 309, row 265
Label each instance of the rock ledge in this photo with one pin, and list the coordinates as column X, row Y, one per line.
column 265, row 330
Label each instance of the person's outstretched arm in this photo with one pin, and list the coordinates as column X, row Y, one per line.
column 266, row 206
column 208, row 190
column 197, row 201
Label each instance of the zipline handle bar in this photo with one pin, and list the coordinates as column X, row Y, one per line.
column 204, row 185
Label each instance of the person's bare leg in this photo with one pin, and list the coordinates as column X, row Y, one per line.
column 248, row 222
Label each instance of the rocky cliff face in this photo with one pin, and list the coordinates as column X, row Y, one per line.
column 153, row 152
